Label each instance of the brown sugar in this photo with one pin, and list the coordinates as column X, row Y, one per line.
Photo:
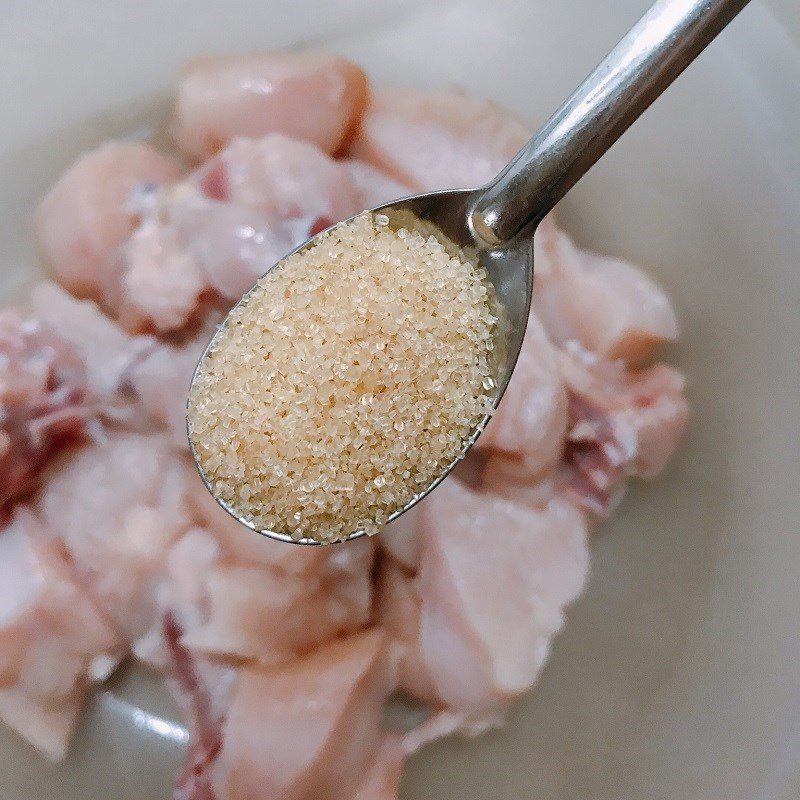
column 346, row 381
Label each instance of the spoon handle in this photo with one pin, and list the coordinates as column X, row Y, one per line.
column 647, row 60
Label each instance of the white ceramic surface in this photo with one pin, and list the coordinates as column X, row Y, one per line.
column 677, row 675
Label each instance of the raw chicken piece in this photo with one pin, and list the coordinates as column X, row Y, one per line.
column 281, row 178
column 658, row 411
column 308, row 729
column 118, row 505
column 268, row 601
column 260, row 614
column 213, row 235
column 189, row 251
column 181, row 594
column 203, row 689
column 382, row 782
column 231, row 245
column 401, row 539
column 84, row 217
column 374, row 188
column 607, row 305
column 53, row 642
column 531, row 420
column 106, row 350
column 243, row 612
column 622, row 423
column 398, row 605
column 437, row 140
column 481, row 646
column 159, row 286
column 313, row 96
column 508, row 477
column 43, row 400
column 161, row 381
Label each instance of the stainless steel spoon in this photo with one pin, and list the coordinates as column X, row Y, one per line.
column 499, row 220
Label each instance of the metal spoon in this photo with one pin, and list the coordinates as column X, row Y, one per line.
column 499, row 220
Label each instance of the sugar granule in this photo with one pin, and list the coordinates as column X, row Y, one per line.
column 346, row 381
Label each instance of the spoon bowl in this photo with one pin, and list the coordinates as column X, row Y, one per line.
column 510, row 272
column 496, row 223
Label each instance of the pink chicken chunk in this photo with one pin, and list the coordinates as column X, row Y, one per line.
column 482, row 647
column 313, row 96
column 106, row 351
column 308, row 729
column 117, row 506
column 232, row 600
column 382, row 781
column 203, row 689
column 268, row 616
column 281, row 178
column 158, row 287
column 398, row 604
column 53, row 641
column 85, row 217
column 180, row 595
column 161, row 378
column 437, row 140
column 607, row 305
column 213, row 235
column 623, row 423
column 44, row 400
column 531, row 420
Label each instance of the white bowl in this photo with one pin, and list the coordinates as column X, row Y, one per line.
column 677, row 675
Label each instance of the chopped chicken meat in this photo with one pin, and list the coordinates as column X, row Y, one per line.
column 283, row 658
column 86, row 216
column 607, row 305
column 44, row 400
column 117, row 505
column 437, row 140
column 53, row 641
column 317, row 97
column 482, row 647
column 285, row 744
